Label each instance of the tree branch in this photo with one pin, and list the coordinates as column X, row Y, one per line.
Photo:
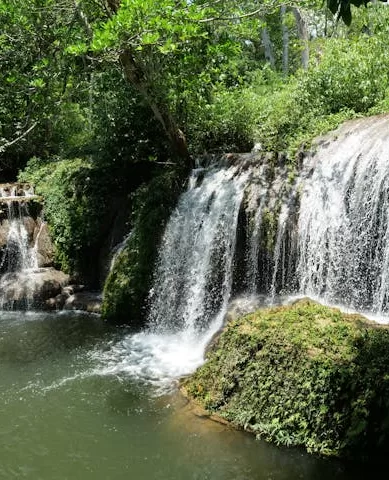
column 12, row 142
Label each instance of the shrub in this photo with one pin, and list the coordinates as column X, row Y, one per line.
column 76, row 197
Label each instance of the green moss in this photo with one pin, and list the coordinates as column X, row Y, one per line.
column 269, row 228
column 76, row 205
column 129, row 281
column 303, row 375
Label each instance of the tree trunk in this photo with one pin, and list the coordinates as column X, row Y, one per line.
column 303, row 36
column 285, row 42
column 268, row 46
column 134, row 75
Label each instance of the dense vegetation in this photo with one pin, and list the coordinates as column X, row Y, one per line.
column 303, row 375
column 99, row 97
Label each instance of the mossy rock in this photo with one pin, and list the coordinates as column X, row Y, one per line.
column 302, row 375
column 127, row 286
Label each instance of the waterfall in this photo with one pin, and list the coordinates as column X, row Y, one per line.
column 343, row 225
column 254, row 234
column 193, row 278
column 192, row 281
column 19, row 236
column 19, row 253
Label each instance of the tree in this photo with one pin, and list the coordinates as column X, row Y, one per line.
column 36, row 77
column 149, row 39
column 146, row 38
column 303, row 35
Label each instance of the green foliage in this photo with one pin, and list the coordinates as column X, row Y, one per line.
column 129, row 281
column 124, row 130
column 76, row 205
column 302, row 375
column 225, row 121
column 349, row 77
column 34, row 78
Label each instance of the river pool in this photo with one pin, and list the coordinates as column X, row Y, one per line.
column 63, row 415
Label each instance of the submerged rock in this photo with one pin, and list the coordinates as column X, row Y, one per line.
column 303, row 375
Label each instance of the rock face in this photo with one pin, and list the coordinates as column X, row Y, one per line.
column 31, row 289
column 303, row 375
column 43, row 244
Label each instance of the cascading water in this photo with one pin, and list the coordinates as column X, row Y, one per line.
column 19, row 252
column 192, row 281
column 343, row 228
column 193, row 276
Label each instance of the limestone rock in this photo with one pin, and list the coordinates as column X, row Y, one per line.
column 31, row 288
column 43, row 243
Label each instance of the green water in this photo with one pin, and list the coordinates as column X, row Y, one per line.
column 62, row 417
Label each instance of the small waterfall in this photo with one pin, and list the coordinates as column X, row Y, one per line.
column 19, row 253
column 19, row 237
column 117, row 249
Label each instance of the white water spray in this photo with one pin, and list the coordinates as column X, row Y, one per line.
column 344, row 220
column 192, row 282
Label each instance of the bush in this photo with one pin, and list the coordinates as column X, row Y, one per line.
column 226, row 121
column 347, row 78
column 76, row 205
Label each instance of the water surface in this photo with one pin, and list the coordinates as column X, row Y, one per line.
column 64, row 415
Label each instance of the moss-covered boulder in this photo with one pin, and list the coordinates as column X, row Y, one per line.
column 129, row 281
column 303, row 375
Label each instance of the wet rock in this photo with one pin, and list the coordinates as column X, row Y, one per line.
column 72, row 289
column 86, row 301
column 43, row 244
column 31, row 288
